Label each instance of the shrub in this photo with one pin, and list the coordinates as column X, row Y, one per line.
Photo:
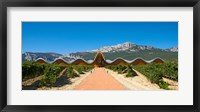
column 50, row 75
column 171, row 70
column 121, row 69
column 130, row 72
column 164, row 85
column 80, row 69
column 32, row 69
column 70, row 72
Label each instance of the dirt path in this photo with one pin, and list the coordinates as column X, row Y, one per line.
column 100, row 80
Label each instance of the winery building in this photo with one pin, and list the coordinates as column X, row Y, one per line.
column 100, row 61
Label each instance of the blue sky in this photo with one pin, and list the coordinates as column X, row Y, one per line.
column 67, row 37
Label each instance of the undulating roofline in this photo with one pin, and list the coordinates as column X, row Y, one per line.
column 100, row 57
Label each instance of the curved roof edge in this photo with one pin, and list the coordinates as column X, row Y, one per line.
column 110, row 62
column 42, row 60
column 59, row 59
column 81, row 60
column 150, row 61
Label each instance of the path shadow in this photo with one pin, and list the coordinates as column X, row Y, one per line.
column 130, row 73
column 33, row 86
column 61, row 81
column 134, row 73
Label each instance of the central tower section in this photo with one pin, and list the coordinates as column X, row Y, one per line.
column 99, row 60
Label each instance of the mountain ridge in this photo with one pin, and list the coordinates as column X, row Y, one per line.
column 125, row 50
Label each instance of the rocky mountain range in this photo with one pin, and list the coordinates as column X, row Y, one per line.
column 125, row 50
column 128, row 46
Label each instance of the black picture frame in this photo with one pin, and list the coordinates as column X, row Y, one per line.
column 99, row 3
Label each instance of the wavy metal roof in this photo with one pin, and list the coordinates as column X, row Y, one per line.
column 80, row 60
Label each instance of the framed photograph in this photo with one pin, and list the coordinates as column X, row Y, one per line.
column 62, row 55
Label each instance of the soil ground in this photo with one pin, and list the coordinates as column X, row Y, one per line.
column 100, row 80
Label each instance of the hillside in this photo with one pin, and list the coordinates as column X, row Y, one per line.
column 127, row 50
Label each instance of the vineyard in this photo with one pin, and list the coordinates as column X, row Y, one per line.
column 154, row 72
column 50, row 72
